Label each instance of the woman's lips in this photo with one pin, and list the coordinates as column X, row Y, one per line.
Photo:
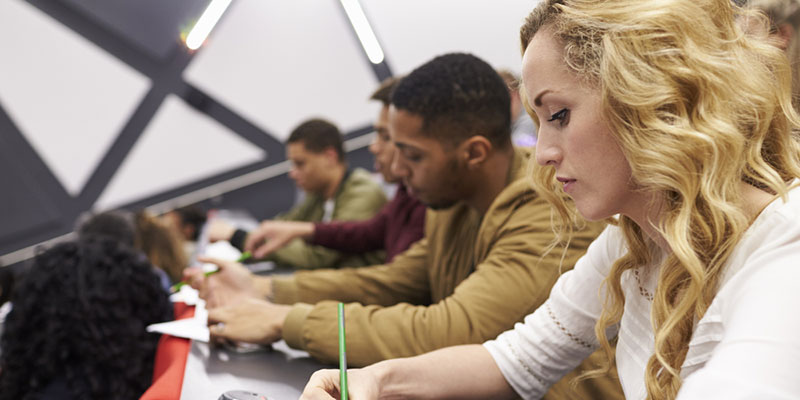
column 568, row 183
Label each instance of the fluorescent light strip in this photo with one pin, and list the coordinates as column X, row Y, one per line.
column 206, row 23
column 364, row 31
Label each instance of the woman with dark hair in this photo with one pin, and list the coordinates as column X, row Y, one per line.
column 77, row 326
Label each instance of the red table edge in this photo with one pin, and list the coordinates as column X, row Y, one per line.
column 170, row 362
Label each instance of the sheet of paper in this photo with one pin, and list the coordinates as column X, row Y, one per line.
column 225, row 251
column 222, row 250
column 185, row 328
column 185, row 295
column 195, row 328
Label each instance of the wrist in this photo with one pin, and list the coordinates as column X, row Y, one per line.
column 281, row 312
column 263, row 286
column 384, row 374
column 307, row 230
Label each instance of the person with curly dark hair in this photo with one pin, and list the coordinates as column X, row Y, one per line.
column 77, row 326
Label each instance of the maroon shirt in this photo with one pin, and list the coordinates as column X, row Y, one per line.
column 399, row 224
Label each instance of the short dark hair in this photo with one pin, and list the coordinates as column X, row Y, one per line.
column 118, row 225
column 457, row 95
column 79, row 316
column 193, row 216
column 317, row 135
column 384, row 92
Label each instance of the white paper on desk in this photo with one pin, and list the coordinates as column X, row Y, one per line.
column 195, row 328
column 186, row 295
column 185, row 328
column 223, row 251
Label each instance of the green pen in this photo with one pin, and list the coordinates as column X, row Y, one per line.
column 244, row 257
column 342, row 356
column 176, row 287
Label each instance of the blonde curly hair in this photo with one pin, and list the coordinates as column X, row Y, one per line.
column 698, row 107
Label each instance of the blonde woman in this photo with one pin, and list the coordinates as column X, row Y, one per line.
column 665, row 114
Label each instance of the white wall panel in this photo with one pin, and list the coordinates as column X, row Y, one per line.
column 414, row 31
column 69, row 97
column 280, row 62
column 179, row 146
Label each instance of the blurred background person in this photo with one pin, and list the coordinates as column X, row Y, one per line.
column 162, row 245
column 784, row 29
column 523, row 128
column 332, row 193
column 188, row 222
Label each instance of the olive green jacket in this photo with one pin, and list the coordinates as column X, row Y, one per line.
column 359, row 197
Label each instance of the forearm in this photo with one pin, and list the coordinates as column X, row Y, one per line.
column 460, row 372
column 301, row 255
column 404, row 280
column 351, row 236
column 347, row 285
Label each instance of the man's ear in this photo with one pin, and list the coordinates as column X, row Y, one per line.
column 476, row 150
column 331, row 155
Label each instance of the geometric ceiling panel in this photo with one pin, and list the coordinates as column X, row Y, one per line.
column 280, row 62
column 61, row 90
column 414, row 31
column 152, row 25
column 179, row 146
column 24, row 206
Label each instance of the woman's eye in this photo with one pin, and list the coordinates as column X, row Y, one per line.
column 561, row 115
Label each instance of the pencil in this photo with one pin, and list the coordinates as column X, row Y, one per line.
column 176, row 287
column 342, row 355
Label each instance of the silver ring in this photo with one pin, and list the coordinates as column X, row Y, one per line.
column 219, row 326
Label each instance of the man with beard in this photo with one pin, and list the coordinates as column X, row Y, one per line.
column 488, row 257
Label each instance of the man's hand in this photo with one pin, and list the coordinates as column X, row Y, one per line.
column 324, row 385
column 230, row 285
column 220, row 230
column 251, row 321
column 273, row 235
